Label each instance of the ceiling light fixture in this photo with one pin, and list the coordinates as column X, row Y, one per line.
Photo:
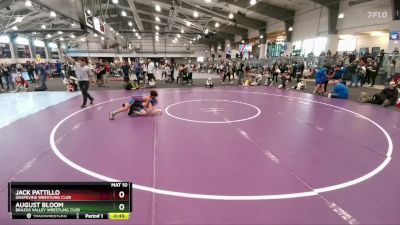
column 261, row 36
column 60, row 32
column 61, row 39
column 48, row 36
column 230, row 16
column 28, row 3
column 208, row 1
column 43, row 26
column 158, row 8
column 242, row 41
column 341, row 16
column 216, row 25
column 123, row 13
column 130, row 23
column 72, row 36
column 182, row 31
column 95, row 35
column 19, row 19
column 195, row 14
column 290, row 29
column 73, row 24
column 102, row 38
column 157, row 27
column 253, row 2
column 178, row 35
column 134, row 30
column 115, row 1
column 15, row 28
column 206, row 31
column 188, row 23
column 157, row 19
column 53, row 14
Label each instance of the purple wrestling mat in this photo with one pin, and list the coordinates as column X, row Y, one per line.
column 255, row 155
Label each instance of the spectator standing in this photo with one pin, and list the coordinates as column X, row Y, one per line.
column 31, row 71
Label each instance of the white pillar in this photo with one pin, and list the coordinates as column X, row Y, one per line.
column 332, row 43
column 13, row 49
column 228, row 47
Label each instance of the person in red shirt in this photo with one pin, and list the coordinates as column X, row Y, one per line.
column 21, row 84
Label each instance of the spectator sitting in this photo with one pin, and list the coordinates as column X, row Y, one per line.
column 71, row 84
column 385, row 98
column 340, row 90
column 21, row 84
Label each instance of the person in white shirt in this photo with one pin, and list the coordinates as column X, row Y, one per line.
column 150, row 70
column 83, row 74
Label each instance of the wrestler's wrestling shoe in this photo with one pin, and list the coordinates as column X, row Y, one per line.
column 111, row 115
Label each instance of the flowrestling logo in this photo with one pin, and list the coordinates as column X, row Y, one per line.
column 377, row 14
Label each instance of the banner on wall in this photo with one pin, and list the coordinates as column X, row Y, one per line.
column 23, row 51
column 5, row 51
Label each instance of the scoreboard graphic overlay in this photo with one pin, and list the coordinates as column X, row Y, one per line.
column 70, row 200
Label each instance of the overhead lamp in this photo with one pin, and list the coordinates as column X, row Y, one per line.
column 216, row 25
column 61, row 39
column 182, row 31
column 89, row 12
column 60, row 32
column 102, row 38
column 206, row 31
column 15, row 27
column 111, row 29
column 139, row 37
column 115, row 1
column 341, row 16
column 72, row 36
column 43, row 26
column 19, row 19
column 82, row 39
column 188, row 23
column 136, row 34
column 95, row 35
column 130, row 23
column 242, row 41
column 28, row 3
column 208, row 1
column 157, row 19
column 73, row 24
column 261, row 36
column 53, row 14
column 157, row 27
column 228, row 45
column 230, row 16
column 178, row 35
column 253, row 2
column 122, row 37
column 123, row 13
column 198, row 36
column 290, row 29
column 195, row 14
column 190, row 42
column 48, row 36
column 134, row 30
column 117, row 33
column 158, row 8
column 156, row 33
column 219, row 47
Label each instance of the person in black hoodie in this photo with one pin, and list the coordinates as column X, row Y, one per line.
column 387, row 97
